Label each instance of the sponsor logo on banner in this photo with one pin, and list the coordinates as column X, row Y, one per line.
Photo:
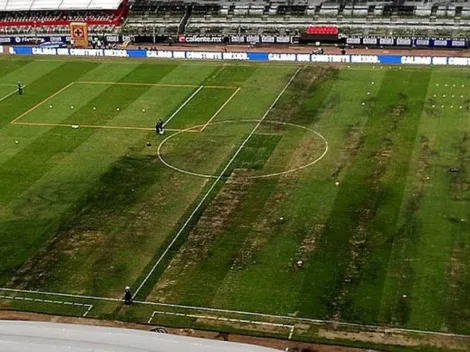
column 440, row 42
column 422, row 42
column 458, row 43
column 112, row 38
column 237, row 39
column 386, row 41
column 283, row 40
column 200, row 39
column 404, row 41
column 56, row 39
column 5, row 40
column 252, row 39
column 353, row 40
column 267, row 39
column 369, row 41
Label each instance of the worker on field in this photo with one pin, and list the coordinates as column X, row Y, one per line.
column 159, row 127
column 20, row 88
column 127, row 296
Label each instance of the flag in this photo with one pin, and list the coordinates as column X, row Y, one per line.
column 79, row 34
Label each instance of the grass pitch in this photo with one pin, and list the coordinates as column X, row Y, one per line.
column 348, row 173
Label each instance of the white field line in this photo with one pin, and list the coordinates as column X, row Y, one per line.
column 209, row 191
column 229, row 320
column 58, row 294
column 182, row 106
column 38, row 300
column 220, row 109
column 10, row 94
column 375, row 328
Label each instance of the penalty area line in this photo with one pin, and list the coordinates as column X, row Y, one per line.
column 211, row 188
column 223, row 319
column 376, row 328
column 42, row 102
column 39, row 300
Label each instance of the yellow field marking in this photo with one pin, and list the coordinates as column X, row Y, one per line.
column 100, row 126
column 154, row 84
column 220, row 109
column 42, row 102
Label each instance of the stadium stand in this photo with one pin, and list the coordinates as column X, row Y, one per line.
column 54, row 16
column 241, row 17
column 287, row 17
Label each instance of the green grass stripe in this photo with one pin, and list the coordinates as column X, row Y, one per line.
column 39, row 90
column 364, row 294
column 201, row 108
column 9, row 66
column 150, row 73
column 328, row 265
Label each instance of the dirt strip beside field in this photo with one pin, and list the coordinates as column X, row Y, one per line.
column 309, row 49
column 267, row 342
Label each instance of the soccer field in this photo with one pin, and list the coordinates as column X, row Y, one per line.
column 277, row 195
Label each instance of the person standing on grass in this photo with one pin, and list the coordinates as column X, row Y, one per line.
column 127, row 295
column 20, row 88
column 159, row 127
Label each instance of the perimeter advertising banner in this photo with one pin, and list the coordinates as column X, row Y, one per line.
column 79, row 34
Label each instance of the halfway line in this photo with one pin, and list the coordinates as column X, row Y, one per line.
column 10, row 94
column 215, row 183
column 182, row 106
column 47, row 124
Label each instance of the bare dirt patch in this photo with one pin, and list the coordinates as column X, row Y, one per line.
column 352, row 143
column 209, row 226
column 396, row 338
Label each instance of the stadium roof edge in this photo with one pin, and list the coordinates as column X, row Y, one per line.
column 57, row 5
column 22, row 336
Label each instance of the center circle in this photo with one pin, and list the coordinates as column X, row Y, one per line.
column 196, row 128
